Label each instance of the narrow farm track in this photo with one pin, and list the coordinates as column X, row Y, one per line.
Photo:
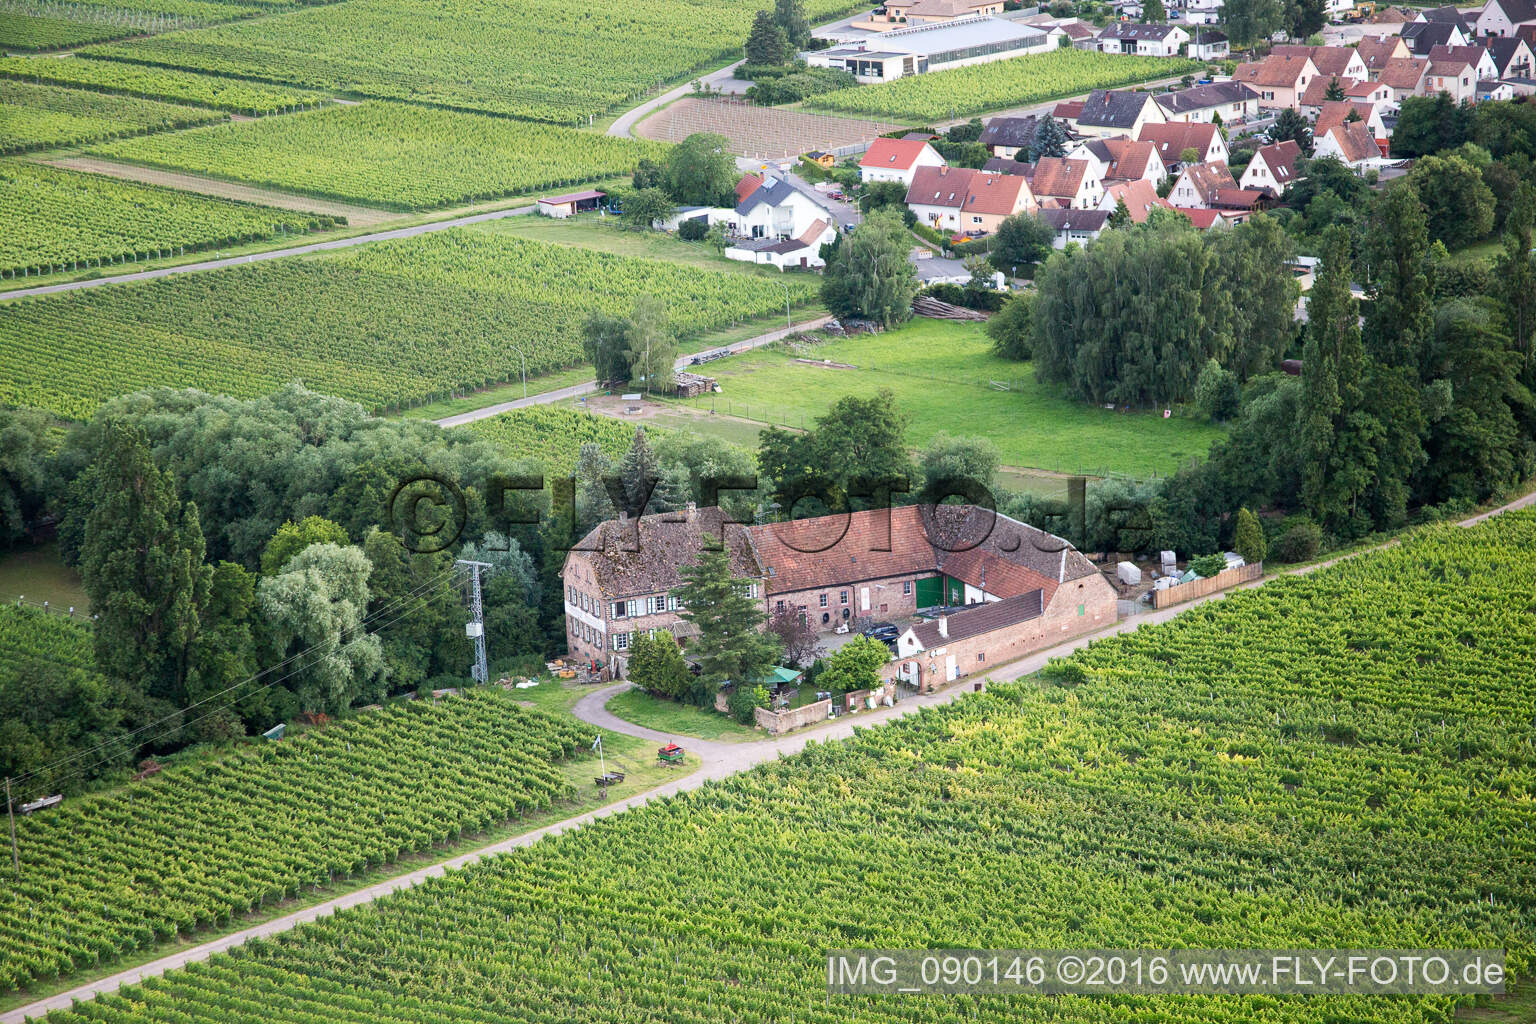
column 719, row 761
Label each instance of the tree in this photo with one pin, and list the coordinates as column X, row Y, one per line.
column 1395, row 254
column 1189, row 155
column 1291, row 126
column 789, row 15
column 1459, row 204
column 644, row 480
column 701, row 171
column 766, row 43
column 878, row 195
column 854, row 666
column 416, row 594
column 1050, row 139
column 744, row 700
column 605, row 342
column 593, row 502
column 645, row 208
column 694, row 229
column 1251, row 262
column 291, row 538
column 649, row 174
column 1335, row 90
column 141, row 564
column 1429, row 124
column 1248, row 540
column 964, row 467
column 1514, row 274
column 1120, row 217
column 652, row 348
column 798, row 637
column 1021, row 240
column 1153, row 12
column 857, row 441
column 1252, row 21
column 24, row 471
column 315, row 608
column 1307, row 17
column 871, row 277
column 731, row 645
column 224, row 653
column 1217, row 392
column 656, row 665
column 1207, row 566
column 1010, row 328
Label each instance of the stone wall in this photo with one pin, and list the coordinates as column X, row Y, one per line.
column 783, row 721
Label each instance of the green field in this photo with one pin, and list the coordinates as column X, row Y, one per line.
column 46, row 116
column 552, row 436
column 37, row 575
column 402, row 321
column 944, row 95
column 115, row 77
column 393, row 155
column 36, row 25
column 53, row 220
column 684, row 720
column 539, row 59
column 1277, row 768
column 942, row 375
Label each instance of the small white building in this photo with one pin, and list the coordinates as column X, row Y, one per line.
column 1146, row 40
column 778, row 225
column 897, row 160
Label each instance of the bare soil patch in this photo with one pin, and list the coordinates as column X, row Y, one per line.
column 767, row 133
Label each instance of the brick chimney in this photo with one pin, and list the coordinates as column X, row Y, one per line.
column 944, row 626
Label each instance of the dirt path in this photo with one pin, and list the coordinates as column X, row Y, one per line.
column 359, row 216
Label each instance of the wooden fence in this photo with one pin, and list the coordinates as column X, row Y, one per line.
column 1209, row 585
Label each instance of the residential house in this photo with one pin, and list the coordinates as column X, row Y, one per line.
column 779, row 225
column 1008, row 136
column 1480, row 57
column 1330, row 61
column 1239, row 204
column 1280, row 81
column 1351, row 143
column 1080, row 226
column 1226, row 102
column 959, row 199
column 927, row 12
column 1362, row 91
column 1139, row 197
column 1405, row 76
column 1338, row 111
column 1512, row 57
column 1209, row 44
column 1094, row 151
column 1067, row 111
column 1375, row 51
column 1065, row 184
column 1196, row 185
column 937, row 194
column 1505, row 17
column 1132, row 161
column 1030, row 589
column 1272, row 168
column 1083, row 35
column 1423, row 36
column 1196, row 12
column 993, row 198
column 1453, row 76
column 1448, row 15
column 1004, row 165
column 1118, row 112
column 1172, row 140
column 1487, row 90
column 1205, row 220
column 1146, row 40
column 897, row 160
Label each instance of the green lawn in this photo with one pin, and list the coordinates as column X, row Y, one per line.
column 685, row 720
column 943, row 375
column 38, row 575
column 1517, row 1006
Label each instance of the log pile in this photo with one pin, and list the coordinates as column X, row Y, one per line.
column 927, row 305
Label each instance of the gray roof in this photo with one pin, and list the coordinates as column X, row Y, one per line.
column 981, row 618
column 1003, row 165
column 772, row 192
column 959, row 34
column 1010, row 131
column 1075, row 220
column 1206, row 36
column 1131, row 30
column 1423, row 36
column 1519, row 11
column 1448, row 16
column 1112, row 108
column 1502, row 48
column 1201, row 96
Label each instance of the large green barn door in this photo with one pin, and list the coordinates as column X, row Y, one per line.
column 930, row 592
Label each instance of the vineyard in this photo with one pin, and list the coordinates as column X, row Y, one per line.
column 45, row 117
column 544, row 60
column 27, row 634
column 207, row 841
column 1340, row 760
column 392, row 155
column 115, row 77
column 36, row 25
column 404, row 321
column 943, row 95
column 53, row 220
column 552, row 436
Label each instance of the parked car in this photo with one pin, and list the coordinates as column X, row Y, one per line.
column 883, row 631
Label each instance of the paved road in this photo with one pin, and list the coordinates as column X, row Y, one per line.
column 624, row 126
column 273, row 254
column 719, row 760
column 577, row 390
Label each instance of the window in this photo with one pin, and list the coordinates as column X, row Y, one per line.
column 981, row 656
column 822, row 600
column 825, row 618
column 843, row 597
column 570, row 595
column 778, row 606
column 621, row 641
column 906, row 588
column 616, row 610
column 1080, row 610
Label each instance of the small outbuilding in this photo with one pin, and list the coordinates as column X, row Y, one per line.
column 573, row 203
column 1128, row 573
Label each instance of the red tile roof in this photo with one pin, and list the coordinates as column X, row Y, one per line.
column 1377, row 50
column 1129, row 160
column 1236, row 198
column 1316, row 92
column 1329, row 60
column 1274, row 72
column 746, row 186
column 1057, row 176
column 1208, row 178
column 897, row 154
column 1067, row 110
column 1280, row 158
column 940, row 186
column 1140, row 196
column 1201, row 219
column 1172, row 139
column 1337, row 112
column 1355, row 141
column 996, row 194
column 1404, row 72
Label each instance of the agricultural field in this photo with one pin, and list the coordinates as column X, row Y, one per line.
column 392, row 155
column 552, row 436
column 37, row 25
column 404, row 321
column 54, row 220
column 543, row 60
column 204, row 842
column 944, row 95
column 117, row 78
column 1276, row 767
column 946, row 378
column 47, row 117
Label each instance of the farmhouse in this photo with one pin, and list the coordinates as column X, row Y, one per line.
column 890, row 563
column 897, row 160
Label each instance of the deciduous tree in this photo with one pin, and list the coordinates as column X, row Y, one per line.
column 292, row 537
column 870, row 276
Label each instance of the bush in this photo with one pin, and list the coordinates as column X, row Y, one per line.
column 1217, row 392
column 1298, row 543
column 694, row 229
column 1207, row 566
column 744, row 700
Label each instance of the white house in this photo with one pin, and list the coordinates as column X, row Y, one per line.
column 1503, row 17
column 1147, row 40
column 1272, row 168
column 1197, row 184
column 1109, row 112
column 1230, row 101
column 1351, row 143
column 897, row 160
column 1063, row 183
column 779, row 225
column 1481, row 59
column 1209, row 44
column 1171, row 140
column 1080, row 226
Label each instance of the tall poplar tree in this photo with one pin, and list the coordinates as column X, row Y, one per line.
column 731, row 644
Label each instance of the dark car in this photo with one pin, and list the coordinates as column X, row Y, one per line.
column 883, row 631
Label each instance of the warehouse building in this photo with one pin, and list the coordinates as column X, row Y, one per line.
column 922, row 48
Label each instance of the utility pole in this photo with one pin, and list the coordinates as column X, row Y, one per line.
column 475, row 630
column 10, row 814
